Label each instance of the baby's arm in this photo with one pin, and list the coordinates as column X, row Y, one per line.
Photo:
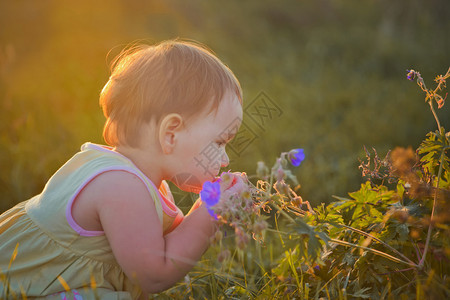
column 128, row 217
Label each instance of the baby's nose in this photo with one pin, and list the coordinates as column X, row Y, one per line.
column 225, row 160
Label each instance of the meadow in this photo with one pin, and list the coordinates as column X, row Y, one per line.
column 332, row 75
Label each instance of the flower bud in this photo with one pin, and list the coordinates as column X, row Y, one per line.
column 262, row 171
column 259, row 227
column 224, row 255
column 281, row 187
column 284, row 162
column 280, row 174
column 277, row 165
column 245, row 195
column 218, row 235
column 242, row 241
column 241, row 238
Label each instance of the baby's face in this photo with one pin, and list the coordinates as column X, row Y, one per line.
column 200, row 151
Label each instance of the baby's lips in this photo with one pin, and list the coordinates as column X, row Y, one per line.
column 195, row 190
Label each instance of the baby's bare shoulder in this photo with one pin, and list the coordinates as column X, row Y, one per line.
column 109, row 188
column 118, row 185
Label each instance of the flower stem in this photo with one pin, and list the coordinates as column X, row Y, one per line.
column 283, row 212
column 435, row 115
column 381, row 242
column 427, row 243
column 377, row 252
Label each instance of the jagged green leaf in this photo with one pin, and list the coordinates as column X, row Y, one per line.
column 403, row 232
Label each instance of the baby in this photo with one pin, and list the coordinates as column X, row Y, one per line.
column 106, row 225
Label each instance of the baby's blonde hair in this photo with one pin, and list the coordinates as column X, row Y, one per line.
column 149, row 82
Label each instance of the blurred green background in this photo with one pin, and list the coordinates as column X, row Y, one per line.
column 335, row 68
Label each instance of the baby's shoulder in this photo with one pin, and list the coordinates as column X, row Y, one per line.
column 109, row 188
column 115, row 184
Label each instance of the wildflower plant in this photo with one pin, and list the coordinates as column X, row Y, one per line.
column 388, row 239
column 235, row 202
column 229, row 200
column 391, row 237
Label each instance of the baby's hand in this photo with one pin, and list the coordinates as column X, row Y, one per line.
column 229, row 187
column 230, row 200
column 232, row 184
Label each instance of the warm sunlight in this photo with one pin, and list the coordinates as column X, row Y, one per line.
column 328, row 179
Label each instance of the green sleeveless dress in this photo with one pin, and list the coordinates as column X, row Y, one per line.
column 45, row 254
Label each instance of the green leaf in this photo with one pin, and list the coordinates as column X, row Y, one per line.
column 400, row 188
column 432, row 148
column 403, row 232
column 314, row 246
column 388, row 234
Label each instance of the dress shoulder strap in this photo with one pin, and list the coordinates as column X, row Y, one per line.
column 51, row 210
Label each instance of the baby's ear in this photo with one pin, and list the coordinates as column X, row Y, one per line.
column 170, row 125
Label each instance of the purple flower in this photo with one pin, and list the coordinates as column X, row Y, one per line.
column 210, row 193
column 411, row 74
column 296, row 156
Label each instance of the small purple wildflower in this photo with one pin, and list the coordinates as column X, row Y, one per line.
column 296, row 156
column 210, row 193
column 411, row 74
